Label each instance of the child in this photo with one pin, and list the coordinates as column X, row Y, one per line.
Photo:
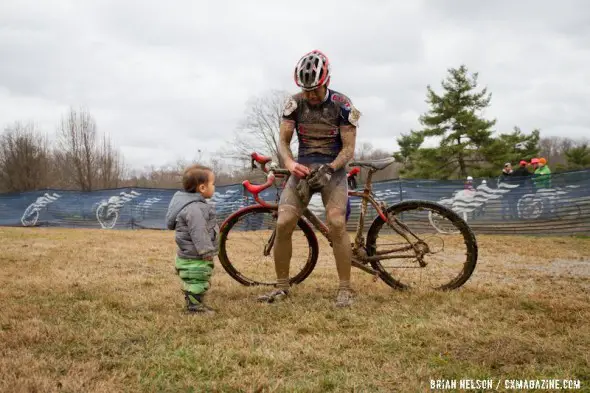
column 196, row 235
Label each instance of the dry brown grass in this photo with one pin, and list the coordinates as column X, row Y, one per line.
column 101, row 311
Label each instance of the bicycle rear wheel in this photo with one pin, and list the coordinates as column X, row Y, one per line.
column 246, row 242
column 431, row 259
column 440, row 223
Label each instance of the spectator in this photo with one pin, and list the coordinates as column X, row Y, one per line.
column 542, row 175
column 522, row 173
column 469, row 184
column 522, row 177
column 506, row 175
column 508, row 201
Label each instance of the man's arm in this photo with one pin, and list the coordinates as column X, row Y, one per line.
column 285, row 136
column 348, row 136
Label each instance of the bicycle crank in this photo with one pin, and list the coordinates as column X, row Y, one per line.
column 363, row 267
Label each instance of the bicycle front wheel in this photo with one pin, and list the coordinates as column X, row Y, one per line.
column 246, row 247
column 420, row 256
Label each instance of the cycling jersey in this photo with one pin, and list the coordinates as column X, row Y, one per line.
column 318, row 126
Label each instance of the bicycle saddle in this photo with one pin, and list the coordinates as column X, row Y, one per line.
column 374, row 164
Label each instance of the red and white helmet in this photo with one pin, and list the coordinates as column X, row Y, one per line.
column 312, row 70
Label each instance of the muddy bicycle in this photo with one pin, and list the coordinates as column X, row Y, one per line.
column 247, row 237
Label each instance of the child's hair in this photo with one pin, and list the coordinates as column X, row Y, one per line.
column 194, row 176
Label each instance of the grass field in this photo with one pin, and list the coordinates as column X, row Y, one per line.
column 101, row 311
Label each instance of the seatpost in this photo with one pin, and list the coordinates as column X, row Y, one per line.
column 368, row 182
column 364, row 203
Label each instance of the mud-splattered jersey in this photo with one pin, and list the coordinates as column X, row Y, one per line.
column 318, row 127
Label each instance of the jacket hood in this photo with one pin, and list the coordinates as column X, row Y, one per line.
column 179, row 200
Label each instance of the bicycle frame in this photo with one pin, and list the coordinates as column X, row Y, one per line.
column 360, row 259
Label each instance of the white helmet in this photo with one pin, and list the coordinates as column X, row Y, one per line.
column 469, row 178
column 312, row 70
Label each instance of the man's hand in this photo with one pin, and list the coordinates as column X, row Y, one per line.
column 297, row 169
column 320, row 177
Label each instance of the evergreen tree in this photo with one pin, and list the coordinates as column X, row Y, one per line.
column 466, row 145
column 511, row 148
column 454, row 119
column 578, row 157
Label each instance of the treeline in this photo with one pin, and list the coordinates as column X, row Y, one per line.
column 79, row 157
column 460, row 142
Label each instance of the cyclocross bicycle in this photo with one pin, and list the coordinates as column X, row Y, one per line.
column 247, row 237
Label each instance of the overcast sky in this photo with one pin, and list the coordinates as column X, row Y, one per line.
column 165, row 79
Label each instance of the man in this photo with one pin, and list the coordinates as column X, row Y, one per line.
column 506, row 173
column 542, row 179
column 541, row 176
column 508, row 202
column 522, row 177
column 521, row 173
column 325, row 122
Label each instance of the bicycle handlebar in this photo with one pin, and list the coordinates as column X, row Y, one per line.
column 272, row 173
column 262, row 160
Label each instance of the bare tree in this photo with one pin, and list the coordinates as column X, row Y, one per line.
column 110, row 166
column 24, row 159
column 85, row 160
column 259, row 131
column 78, row 154
column 365, row 151
column 554, row 148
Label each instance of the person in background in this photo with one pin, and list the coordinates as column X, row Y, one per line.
column 469, row 184
column 521, row 173
column 508, row 202
column 522, row 177
column 542, row 175
column 506, row 173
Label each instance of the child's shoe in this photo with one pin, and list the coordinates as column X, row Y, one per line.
column 194, row 304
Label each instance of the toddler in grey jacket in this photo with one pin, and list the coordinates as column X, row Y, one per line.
column 196, row 235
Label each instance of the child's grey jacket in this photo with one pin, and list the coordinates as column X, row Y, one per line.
column 195, row 224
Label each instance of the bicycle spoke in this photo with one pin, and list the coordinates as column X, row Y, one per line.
column 248, row 248
column 434, row 259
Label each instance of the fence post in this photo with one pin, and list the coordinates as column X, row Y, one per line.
column 133, row 210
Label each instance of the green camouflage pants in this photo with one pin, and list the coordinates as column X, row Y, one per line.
column 195, row 274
